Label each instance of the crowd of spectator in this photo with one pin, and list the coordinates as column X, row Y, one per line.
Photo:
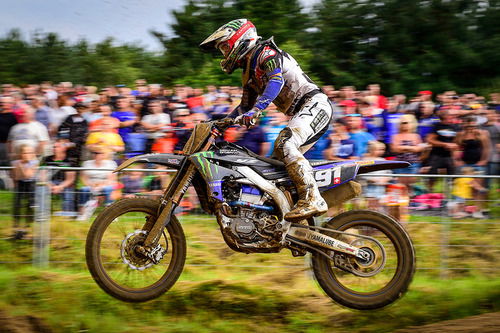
column 75, row 125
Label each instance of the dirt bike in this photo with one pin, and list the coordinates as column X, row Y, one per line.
column 136, row 248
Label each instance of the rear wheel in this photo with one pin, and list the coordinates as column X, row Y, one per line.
column 112, row 252
column 381, row 280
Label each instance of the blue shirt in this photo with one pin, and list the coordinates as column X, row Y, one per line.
column 426, row 125
column 252, row 139
column 124, row 116
column 316, row 151
column 361, row 140
column 345, row 148
column 391, row 122
column 375, row 126
column 272, row 133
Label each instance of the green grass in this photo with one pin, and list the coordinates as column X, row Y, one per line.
column 69, row 301
column 223, row 291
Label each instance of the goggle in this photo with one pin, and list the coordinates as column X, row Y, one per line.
column 224, row 48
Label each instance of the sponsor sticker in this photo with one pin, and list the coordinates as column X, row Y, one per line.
column 365, row 162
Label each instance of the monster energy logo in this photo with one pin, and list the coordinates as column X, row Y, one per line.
column 271, row 64
column 206, row 166
column 236, row 24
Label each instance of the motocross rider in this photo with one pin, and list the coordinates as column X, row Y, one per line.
column 272, row 75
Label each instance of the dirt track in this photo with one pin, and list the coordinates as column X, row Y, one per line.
column 486, row 323
column 22, row 324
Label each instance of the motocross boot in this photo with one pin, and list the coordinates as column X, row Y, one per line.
column 310, row 203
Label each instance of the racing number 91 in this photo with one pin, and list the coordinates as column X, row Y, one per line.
column 324, row 177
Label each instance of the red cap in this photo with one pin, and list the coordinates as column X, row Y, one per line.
column 425, row 92
column 348, row 102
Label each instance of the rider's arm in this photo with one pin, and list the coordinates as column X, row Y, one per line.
column 272, row 67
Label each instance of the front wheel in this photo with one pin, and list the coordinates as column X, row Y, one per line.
column 379, row 282
column 112, row 256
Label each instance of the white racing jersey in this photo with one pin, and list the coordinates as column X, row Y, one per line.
column 272, row 75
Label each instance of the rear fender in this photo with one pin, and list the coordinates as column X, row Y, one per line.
column 332, row 175
column 173, row 161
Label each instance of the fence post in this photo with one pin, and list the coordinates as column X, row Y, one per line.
column 445, row 229
column 41, row 239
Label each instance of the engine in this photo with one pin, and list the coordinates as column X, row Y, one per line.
column 248, row 218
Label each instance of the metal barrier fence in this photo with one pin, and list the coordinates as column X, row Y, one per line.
column 443, row 244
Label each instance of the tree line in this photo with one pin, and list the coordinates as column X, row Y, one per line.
column 405, row 45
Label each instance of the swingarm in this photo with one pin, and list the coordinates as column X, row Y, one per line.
column 315, row 238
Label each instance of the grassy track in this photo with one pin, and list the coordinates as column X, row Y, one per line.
column 223, row 291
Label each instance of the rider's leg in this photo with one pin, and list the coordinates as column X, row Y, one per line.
column 303, row 130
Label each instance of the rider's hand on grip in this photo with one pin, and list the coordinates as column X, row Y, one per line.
column 225, row 123
column 249, row 118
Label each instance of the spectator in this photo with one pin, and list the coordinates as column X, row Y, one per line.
column 442, row 140
column 65, row 108
column 133, row 183
column 427, row 119
column 375, row 188
column 316, row 152
column 474, row 152
column 379, row 100
column 97, row 182
column 62, row 182
column 277, row 121
column 155, row 123
column 195, row 101
column 28, row 132
column 75, row 128
column 474, row 146
column 155, row 92
column 18, row 106
column 340, row 146
column 104, row 97
column 391, row 120
column 42, row 111
column 407, row 145
column 24, row 175
column 105, row 137
column 127, row 118
column 349, row 106
column 220, row 107
column 7, row 121
column 104, row 114
column 494, row 103
column 493, row 127
column 252, row 138
column 372, row 119
column 141, row 88
column 183, row 127
column 157, row 182
column 359, row 136
column 462, row 191
column 348, row 92
column 210, row 97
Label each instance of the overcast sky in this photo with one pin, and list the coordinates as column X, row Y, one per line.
column 125, row 20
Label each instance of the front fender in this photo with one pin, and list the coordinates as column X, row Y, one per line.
column 173, row 161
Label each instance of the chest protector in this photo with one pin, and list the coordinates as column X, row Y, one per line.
column 296, row 82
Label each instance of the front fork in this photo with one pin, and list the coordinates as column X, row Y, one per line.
column 172, row 197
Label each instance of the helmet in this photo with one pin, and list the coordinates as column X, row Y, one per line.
column 234, row 39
